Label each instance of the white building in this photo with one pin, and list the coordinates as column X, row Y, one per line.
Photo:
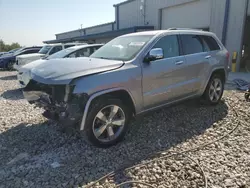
column 227, row 18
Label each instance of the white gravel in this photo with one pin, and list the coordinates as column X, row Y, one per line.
column 36, row 153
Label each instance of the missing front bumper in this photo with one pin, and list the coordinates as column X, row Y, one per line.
column 67, row 113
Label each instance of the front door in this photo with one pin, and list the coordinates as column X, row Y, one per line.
column 166, row 79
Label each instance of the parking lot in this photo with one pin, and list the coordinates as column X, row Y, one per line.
column 37, row 153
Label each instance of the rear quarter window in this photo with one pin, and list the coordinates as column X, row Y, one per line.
column 210, row 43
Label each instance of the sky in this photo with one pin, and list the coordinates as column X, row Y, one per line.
column 29, row 22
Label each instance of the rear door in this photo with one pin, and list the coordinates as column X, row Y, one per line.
column 197, row 59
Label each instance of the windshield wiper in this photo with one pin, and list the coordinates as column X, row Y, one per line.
column 106, row 58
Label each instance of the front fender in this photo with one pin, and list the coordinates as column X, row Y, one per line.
column 86, row 109
column 126, row 78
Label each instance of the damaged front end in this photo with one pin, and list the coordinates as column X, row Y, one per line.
column 58, row 101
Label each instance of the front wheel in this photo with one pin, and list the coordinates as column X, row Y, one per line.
column 214, row 90
column 9, row 66
column 107, row 122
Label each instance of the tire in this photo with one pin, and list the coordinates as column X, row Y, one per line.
column 247, row 96
column 207, row 96
column 9, row 66
column 93, row 123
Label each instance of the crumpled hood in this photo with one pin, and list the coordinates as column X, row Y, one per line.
column 62, row 71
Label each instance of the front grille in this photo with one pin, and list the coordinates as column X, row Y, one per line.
column 36, row 86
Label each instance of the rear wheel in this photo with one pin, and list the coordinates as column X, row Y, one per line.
column 214, row 90
column 107, row 122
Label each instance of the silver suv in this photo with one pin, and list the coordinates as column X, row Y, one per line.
column 130, row 75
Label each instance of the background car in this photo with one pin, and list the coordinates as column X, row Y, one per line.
column 7, row 60
column 9, row 52
column 2, row 53
column 46, row 51
column 72, row 52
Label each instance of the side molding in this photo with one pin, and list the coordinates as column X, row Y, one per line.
column 86, row 109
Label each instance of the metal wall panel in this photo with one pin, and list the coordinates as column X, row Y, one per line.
column 236, row 25
column 194, row 14
column 88, row 31
column 153, row 7
column 103, row 40
column 248, row 10
column 70, row 34
column 217, row 17
column 99, row 29
column 130, row 14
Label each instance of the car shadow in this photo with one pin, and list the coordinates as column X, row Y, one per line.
column 14, row 94
column 12, row 77
column 50, row 156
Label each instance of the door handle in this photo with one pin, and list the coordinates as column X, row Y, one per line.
column 208, row 57
column 179, row 62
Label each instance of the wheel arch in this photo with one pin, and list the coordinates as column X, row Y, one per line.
column 121, row 93
column 218, row 70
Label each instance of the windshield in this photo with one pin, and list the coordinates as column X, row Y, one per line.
column 122, row 48
column 61, row 54
column 45, row 49
column 14, row 50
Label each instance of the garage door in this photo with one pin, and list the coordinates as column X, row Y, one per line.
column 189, row 15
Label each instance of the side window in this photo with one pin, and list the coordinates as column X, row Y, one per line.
column 192, row 44
column 93, row 49
column 55, row 49
column 210, row 43
column 170, row 46
column 85, row 52
column 68, row 46
column 30, row 51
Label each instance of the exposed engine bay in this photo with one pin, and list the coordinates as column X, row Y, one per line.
column 58, row 101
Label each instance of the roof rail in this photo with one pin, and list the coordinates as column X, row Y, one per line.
column 174, row 28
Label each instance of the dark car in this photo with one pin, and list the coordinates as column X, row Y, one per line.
column 8, row 60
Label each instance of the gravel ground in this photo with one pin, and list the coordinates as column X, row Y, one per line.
column 37, row 153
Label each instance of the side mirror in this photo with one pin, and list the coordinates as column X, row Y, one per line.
column 154, row 54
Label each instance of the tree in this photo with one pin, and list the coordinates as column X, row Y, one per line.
column 7, row 47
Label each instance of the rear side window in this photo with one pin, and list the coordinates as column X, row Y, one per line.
column 93, row 49
column 85, row 52
column 55, row 49
column 31, row 51
column 192, row 44
column 170, row 46
column 210, row 43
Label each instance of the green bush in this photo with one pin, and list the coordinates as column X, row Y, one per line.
column 7, row 47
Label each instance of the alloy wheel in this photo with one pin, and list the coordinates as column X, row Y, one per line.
column 108, row 123
column 215, row 90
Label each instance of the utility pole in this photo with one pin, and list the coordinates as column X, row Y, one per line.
column 81, row 29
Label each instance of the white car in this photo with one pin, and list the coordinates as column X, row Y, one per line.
column 46, row 51
column 72, row 52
